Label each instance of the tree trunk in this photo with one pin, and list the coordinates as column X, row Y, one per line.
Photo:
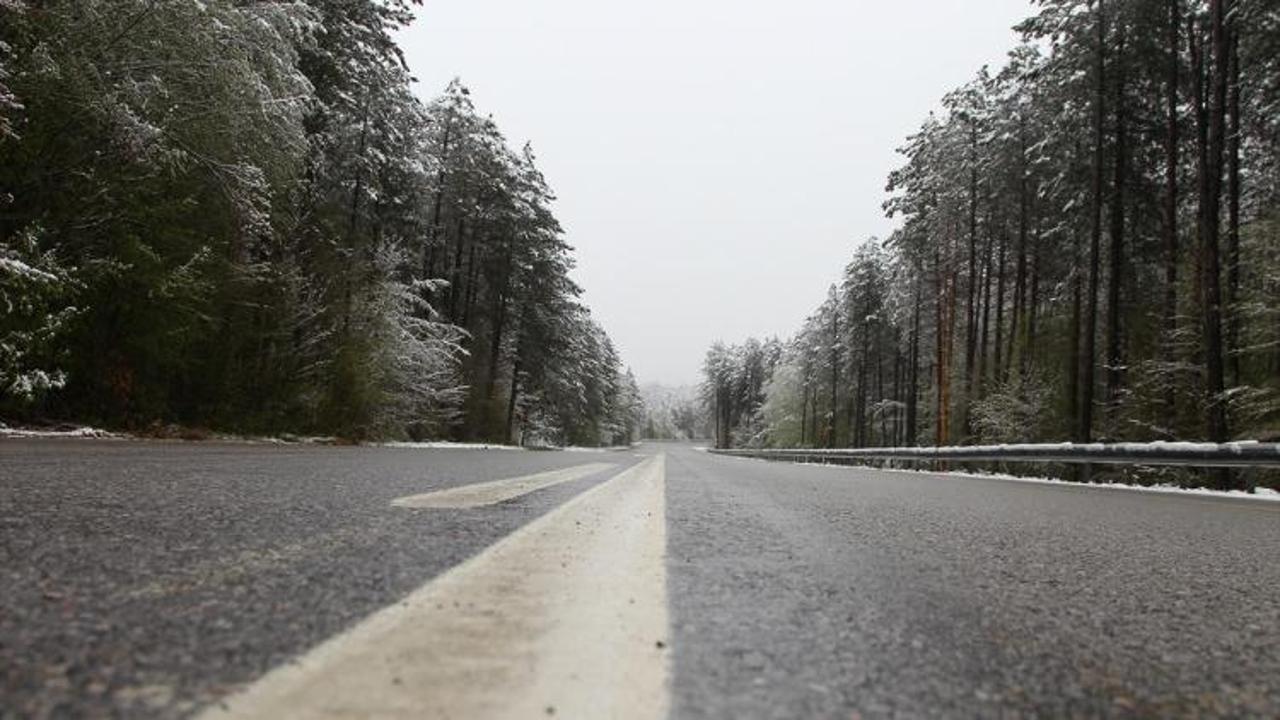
column 971, row 310
column 1033, row 307
column 495, row 347
column 1020, row 272
column 896, row 427
column 879, row 394
column 437, row 203
column 353, row 221
column 813, row 415
column 1171, row 209
column 716, row 415
column 1075, row 361
column 1212, row 133
column 997, row 374
column 942, row 341
column 1084, row 431
column 835, row 372
column 472, row 275
column 987, row 253
column 860, row 428
column 511, row 397
column 1233, row 206
column 804, row 407
column 456, row 271
column 1115, row 279
column 913, row 385
column 730, row 412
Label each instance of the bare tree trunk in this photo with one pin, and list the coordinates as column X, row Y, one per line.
column 997, row 374
column 511, row 398
column 804, row 407
column 495, row 345
column 1171, row 206
column 1084, row 431
column 1115, row 280
column 835, row 372
column 726, row 424
column 942, row 342
column 1212, row 132
column 1033, row 307
column 987, row 253
column 879, row 395
column 1020, row 272
column 472, row 275
column 456, row 271
column 1075, row 361
column 353, row 220
column 433, row 230
column 1233, row 207
column 813, row 415
column 716, row 414
column 913, row 386
column 858, row 429
column 971, row 311
column 896, row 426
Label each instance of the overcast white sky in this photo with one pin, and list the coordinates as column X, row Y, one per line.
column 716, row 161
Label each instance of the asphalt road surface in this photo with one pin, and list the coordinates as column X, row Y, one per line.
column 220, row 580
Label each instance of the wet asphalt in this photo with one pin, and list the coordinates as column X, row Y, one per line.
column 143, row 579
column 804, row 591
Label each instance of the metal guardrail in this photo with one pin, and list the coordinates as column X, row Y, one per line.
column 1186, row 454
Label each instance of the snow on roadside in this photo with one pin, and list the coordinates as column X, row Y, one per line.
column 286, row 439
column 608, row 449
column 445, row 445
column 1260, row 493
column 78, row 432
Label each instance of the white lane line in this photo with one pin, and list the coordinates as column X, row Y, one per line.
column 566, row 617
column 496, row 491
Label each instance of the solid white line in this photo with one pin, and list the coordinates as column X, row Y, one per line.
column 565, row 617
column 496, row 491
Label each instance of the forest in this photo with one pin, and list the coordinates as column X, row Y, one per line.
column 1087, row 249
column 239, row 216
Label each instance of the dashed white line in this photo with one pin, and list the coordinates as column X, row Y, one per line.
column 496, row 491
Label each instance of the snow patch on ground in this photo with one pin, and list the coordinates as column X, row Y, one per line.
column 1258, row 494
column 1261, row 493
column 611, row 448
column 285, row 439
column 444, row 445
column 77, row 432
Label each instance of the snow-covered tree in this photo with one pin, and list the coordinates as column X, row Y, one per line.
column 35, row 309
column 240, row 215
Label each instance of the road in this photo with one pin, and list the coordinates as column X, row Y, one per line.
column 228, row 580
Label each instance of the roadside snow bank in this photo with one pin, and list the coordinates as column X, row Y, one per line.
column 71, row 432
column 444, row 445
column 1261, row 493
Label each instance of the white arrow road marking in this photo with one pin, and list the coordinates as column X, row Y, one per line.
column 496, row 491
column 566, row 617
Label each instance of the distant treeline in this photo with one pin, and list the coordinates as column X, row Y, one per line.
column 237, row 215
column 1089, row 250
column 673, row 413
